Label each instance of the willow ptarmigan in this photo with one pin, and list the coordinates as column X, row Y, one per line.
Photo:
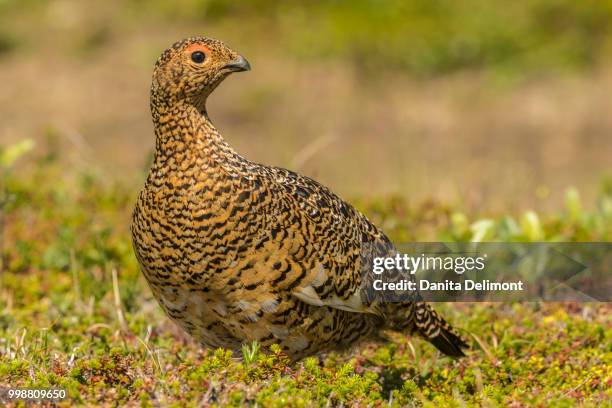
column 236, row 251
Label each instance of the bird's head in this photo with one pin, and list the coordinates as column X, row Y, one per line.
column 192, row 68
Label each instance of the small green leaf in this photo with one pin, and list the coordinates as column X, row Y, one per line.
column 573, row 204
column 10, row 154
column 532, row 228
column 482, row 230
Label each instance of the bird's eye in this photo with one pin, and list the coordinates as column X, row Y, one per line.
column 198, row 57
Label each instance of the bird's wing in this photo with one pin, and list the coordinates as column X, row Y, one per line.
column 332, row 242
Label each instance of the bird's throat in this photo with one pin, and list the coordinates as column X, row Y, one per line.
column 186, row 138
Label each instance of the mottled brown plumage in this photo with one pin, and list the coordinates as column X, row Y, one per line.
column 236, row 251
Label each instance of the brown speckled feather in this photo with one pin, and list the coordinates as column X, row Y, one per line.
column 236, row 251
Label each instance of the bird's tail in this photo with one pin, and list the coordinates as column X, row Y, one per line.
column 434, row 329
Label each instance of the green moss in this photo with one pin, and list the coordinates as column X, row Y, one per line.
column 59, row 328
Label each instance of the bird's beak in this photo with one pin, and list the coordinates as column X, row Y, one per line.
column 238, row 65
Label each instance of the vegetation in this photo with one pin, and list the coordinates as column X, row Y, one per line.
column 424, row 38
column 76, row 314
column 428, row 38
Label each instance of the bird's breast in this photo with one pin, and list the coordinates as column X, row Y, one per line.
column 187, row 235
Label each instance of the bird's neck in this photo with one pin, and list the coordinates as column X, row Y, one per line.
column 185, row 136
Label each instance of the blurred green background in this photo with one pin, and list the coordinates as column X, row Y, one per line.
column 490, row 105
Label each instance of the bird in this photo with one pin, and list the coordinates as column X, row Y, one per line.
column 237, row 252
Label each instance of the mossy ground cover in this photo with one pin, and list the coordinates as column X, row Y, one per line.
column 76, row 314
